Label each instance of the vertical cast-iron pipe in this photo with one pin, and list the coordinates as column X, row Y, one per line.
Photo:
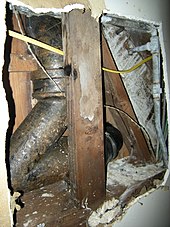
column 46, row 122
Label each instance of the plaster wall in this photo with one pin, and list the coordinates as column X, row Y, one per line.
column 5, row 212
column 153, row 209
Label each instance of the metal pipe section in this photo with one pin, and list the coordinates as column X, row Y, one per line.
column 51, row 168
column 155, row 50
column 113, row 142
column 154, row 47
column 47, row 121
column 41, row 128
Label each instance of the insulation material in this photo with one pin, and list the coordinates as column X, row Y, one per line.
column 123, row 173
column 106, row 213
column 5, row 212
column 138, row 83
column 120, row 172
column 39, row 6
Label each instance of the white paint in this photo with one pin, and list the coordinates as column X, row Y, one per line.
column 150, row 210
column 49, row 195
column 88, row 93
column 96, row 7
column 156, row 205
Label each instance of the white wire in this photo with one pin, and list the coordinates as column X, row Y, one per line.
column 34, row 56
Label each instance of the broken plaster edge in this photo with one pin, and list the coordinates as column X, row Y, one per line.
column 130, row 17
column 65, row 9
column 6, row 215
column 164, row 64
column 114, row 220
column 135, row 201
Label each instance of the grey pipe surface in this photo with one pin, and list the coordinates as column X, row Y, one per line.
column 41, row 128
column 156, row 95
column 154, row 47
column 47, row 121
column 52, row 167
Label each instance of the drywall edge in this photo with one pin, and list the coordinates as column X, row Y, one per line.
column 96, row 6
column 5, row 212
column 66, row 8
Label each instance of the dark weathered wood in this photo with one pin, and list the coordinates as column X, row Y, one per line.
column 50, row 206
column 21, row 89
column 82, row 52
column 123, row 113
column 20, row 58
column 21, row 64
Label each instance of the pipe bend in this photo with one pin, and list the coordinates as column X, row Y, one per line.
column 46, row 122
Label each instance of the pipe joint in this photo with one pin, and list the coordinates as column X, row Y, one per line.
column 43, row 87
column 140, row 48
column 156, row 91
column 153, row 46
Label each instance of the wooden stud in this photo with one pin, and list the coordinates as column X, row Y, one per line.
column 21, row 88
column 81, row 37
column 21, row 64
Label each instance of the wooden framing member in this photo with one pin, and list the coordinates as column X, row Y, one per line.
column 81, row 40
column 20, row 67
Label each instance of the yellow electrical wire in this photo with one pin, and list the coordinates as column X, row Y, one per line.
column 131, row 69
column 35, row 42
column 53, row 49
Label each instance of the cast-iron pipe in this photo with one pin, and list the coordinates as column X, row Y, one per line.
column 46, row 122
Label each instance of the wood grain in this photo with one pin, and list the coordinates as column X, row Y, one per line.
column 82, row 52
column 21, row 64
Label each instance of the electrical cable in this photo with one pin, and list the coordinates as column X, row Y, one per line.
column 60, row 52
column 34, row 41
column 24, row 38
column 134, row 122
column 129, row 70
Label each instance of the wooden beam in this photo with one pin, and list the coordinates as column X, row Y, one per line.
column 21, row 89
column 81, row 37
column 20, row 58
column 21, row 64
